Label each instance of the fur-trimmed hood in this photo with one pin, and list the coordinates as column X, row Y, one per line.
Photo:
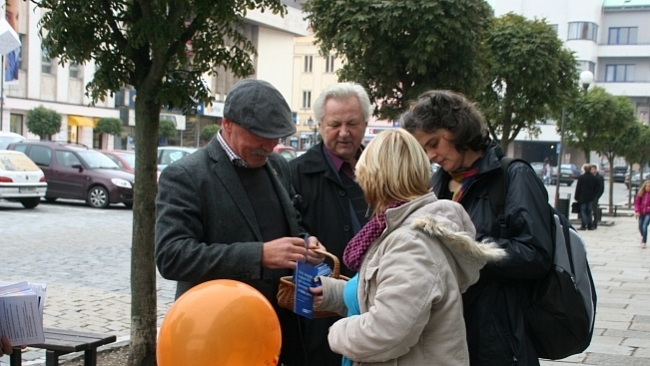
column 448, row 222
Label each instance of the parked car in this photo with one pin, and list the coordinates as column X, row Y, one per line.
column 7, row 138
column 568, row 174
column 75, row 171
column 20, row 179
column 287, row 152
column 125, row 159
column 636, row 181
column 170, row 154
column 619, row 173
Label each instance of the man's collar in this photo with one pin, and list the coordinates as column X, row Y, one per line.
column 336, row 160
column 234, row 158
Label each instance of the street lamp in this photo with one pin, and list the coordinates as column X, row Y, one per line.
column 586, row 78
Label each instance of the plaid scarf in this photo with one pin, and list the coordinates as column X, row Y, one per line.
column 464, row 177
column 357, row 247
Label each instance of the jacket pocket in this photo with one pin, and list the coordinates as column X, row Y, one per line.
column 369, row 280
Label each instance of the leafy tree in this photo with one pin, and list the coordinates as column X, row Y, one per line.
column 161, row 49
column 399, row 49
column 111, row 126
column 208, row 132
column 617, row 145
column 529, row 75
column 636, row 149
column 167, row 128
column 43, row 122
column 592, row 120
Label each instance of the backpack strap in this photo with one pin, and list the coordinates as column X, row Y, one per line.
column 497, row 191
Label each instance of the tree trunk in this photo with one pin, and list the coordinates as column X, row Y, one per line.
column 143, row 267
column 587, row 155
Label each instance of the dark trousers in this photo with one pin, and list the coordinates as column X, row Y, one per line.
column 585, row 215
column 597, row 213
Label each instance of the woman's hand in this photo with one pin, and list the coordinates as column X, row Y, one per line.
column 318, row 295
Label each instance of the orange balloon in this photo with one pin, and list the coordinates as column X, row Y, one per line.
column 220, row 322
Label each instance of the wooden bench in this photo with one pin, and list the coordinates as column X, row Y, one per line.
column 60, row 342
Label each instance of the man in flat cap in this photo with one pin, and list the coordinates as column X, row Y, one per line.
column 225, row 212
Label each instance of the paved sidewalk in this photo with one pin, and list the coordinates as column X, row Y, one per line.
column 101, row 302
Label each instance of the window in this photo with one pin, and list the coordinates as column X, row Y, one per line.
column 23, row 39
column 16, row 123
column 622, row 35
column 583, row 30
column 587, row 66
column 309, row 60
column 46, row 63
column 66, row 158
column 619, row 73
column 74, row 70
column 329, row 63
column 306, row 99
column 40, row 155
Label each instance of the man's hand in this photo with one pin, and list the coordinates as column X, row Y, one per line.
column 283, row 252
column 314, row 258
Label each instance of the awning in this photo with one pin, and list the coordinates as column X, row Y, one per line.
column 80, row 121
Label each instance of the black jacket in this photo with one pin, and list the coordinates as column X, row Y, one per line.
column 493, row 306
column 325, row 210
column 587, row 189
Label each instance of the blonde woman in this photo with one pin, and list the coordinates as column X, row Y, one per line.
column 642, row 211
column 415, row 257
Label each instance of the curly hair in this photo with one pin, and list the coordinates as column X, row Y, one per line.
column 436, row 109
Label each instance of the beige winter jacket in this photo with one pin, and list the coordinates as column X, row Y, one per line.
column 410, row 286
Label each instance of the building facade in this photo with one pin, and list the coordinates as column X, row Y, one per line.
column 30, row 79
column 610, row 38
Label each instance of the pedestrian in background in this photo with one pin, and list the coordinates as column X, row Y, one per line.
column 601, row 189
column 225, row 211
column 642, row 211
column 586, row 192
column 455, row 135
column 546, row 171
column 415, row 257
column 330, row 200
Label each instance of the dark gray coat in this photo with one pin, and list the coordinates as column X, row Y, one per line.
column 206, row 228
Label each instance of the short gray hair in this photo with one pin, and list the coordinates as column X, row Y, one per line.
column 342, row 91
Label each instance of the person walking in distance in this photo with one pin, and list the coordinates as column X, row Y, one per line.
column 642, row 211
column 546, row 171
column 587, row 190
column 601, row 189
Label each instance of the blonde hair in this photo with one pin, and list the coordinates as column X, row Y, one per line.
column 393, row 167
column 642, row 189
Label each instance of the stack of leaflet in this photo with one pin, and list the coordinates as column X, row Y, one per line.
column 21, row 312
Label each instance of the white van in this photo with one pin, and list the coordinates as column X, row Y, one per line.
column 7, row 138
column 20, row 179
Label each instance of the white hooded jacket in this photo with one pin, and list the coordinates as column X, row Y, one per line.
column 410, row 285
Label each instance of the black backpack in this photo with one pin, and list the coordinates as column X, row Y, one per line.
column 560, row 308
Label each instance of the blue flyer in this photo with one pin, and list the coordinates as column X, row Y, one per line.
column 303, row 303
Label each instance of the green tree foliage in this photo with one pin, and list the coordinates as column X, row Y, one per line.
column 43, row 122
column 595, row 120
column 529, row 74
column 111, row 126
column 161, row 49
column 635, row 148
column 208, row 132
column 399, row 49
column 167, row 129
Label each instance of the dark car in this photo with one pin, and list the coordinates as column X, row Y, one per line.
column 287, row 152
column 568, row 174
column 619, row 173
column 125, row 159
column 78, row 172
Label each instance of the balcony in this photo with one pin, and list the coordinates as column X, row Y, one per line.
column 624, row 50
column 629, row 89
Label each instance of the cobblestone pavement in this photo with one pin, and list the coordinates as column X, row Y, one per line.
column 83, row 255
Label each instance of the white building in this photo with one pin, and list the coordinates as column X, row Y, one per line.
column 610, row 38
column 43, row 81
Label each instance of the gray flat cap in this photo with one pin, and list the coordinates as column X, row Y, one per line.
column 260, row 108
